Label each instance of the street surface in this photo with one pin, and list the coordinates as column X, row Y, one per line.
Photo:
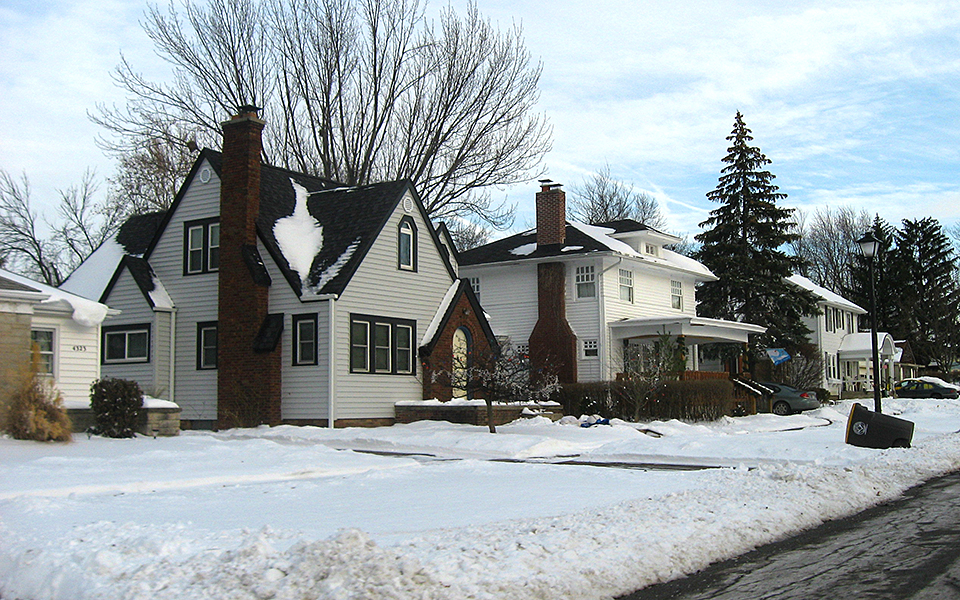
column 907, row 549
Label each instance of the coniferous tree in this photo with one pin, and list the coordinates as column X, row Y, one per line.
column 927, row 290
column 742, row 245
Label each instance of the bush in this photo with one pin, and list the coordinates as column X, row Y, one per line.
column 36, row 411
column 116, row 405
column 692, row 400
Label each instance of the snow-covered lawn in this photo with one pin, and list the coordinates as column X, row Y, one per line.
column 434, row 510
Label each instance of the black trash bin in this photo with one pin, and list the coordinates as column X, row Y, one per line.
column 869, row 429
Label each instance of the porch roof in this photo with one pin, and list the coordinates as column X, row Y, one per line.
column 697, row 330
column 857, row 346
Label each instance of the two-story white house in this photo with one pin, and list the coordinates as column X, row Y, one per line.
column 266, row 295
column 574, row 295
column 847, row 352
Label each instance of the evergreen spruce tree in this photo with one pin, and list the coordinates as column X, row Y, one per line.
column 742, row 244
column 928, row 295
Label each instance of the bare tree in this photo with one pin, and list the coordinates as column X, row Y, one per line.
column 147, row 178
column 356, row 91
column 467, row 235
column 46, row 251
column 828, row 244
column 601, row 199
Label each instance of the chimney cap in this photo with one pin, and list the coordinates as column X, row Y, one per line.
column 547, row 185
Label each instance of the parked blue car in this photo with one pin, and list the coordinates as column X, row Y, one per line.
column 786, row 399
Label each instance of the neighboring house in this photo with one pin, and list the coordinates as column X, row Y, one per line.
column 267, row 295
column 574, row 295
column 63, row 328
column 846, row 351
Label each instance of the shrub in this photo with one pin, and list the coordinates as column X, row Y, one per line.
column 116, row 405
column 36, row 410
column 692, row 400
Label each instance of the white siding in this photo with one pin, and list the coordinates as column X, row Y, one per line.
column 195, row 297
column 305, row 393
column 583, row 314
column 127, row 297
column 76, row 354
column 509, row 295
column 379, row 288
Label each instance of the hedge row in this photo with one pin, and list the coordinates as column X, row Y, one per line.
column 688, row 400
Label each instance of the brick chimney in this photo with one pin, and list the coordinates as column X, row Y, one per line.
column 551, row 214
column 553, row 345
column 248, row 380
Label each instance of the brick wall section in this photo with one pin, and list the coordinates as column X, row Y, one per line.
column 553, row 345
column 248, row 383
column 442, row 357
column 551, row 215
column 15, row 348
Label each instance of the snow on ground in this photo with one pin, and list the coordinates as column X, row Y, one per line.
column 442, row 511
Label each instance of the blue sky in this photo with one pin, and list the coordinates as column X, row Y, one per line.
column 856, row 103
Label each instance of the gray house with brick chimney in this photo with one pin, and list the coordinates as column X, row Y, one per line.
column 269, row 296
column 574, row 295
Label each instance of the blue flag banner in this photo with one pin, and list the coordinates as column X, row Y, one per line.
column 778, row 355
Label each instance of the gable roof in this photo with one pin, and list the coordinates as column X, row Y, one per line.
column 344, row 221
column 825, row 295
column 581, row 239
column 458, row 289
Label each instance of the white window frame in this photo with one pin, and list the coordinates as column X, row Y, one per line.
column 651, row 249
column 213, row 249
column 404, row 367
column 475, row 286
column 407, row 240
column 626, row 285
column 46, row 356
column 194, row 249
column 676, row 294
column 586, row 280
column 354, row 346
column 301, row 324
column 126, row 333
column 591, row 348
column 204, row 331
column 378, row 348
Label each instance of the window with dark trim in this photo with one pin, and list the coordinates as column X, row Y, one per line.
column 407, row 244
column 207, row 345
column 126, row 344
column 201, row 246
column 42, row 341
column 382, row 345
column 304, row 339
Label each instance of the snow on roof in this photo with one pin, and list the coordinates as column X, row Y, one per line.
column 159, row 295
column 92, row 276
column 524, row 250
column 684, row 263
column 825, row 294
column 602, row 235
column 87, row 313
column 299, row 236
column 431, row 330
column 860, row 344
column 333, row 270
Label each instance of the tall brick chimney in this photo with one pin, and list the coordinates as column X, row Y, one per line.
column 248, row 380
column 551, row 214
column 553, row 345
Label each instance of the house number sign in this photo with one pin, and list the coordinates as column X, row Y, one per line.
column 79, row 348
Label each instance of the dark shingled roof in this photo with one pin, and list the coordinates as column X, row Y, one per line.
column 499, row 251
column 14, row 286
column 137, row 232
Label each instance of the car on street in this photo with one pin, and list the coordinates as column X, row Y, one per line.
column 926, row 387
column 786, row 399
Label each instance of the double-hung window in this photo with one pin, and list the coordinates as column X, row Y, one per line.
column 475, row 286
column 201, row 246
column 207, row 345
column 382, row 345
column 126, row 343
column 44, row 347
column 676, row 295
column 626, row 285
column 586, row 282
column 305, row 339
column 591, row 348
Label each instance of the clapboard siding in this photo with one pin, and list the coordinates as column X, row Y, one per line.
column 195, row 298
column 76, row 353
column 509, row 295
column 127, row 297
column 379, row 288
column 304, row 388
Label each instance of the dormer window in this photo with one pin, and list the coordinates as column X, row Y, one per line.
column 651, row 249
column 407, row 245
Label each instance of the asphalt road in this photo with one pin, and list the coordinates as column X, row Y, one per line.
column 906, row 549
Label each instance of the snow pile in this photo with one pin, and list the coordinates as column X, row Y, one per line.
column 279, row 513
column 86, row 313
column 299, row 235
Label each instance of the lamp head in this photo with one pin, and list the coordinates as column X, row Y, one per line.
column 869, row 244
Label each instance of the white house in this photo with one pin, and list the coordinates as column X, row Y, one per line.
column 582, row 292
column 266, row 295
column 847, row 352
column 64, row 329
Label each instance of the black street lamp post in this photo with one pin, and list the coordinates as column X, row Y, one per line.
column 869, row 244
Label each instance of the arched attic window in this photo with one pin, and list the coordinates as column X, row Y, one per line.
column 407, row 244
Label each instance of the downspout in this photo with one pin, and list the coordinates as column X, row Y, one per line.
column 331, row 362
column 173, row 351
column 604, row 352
